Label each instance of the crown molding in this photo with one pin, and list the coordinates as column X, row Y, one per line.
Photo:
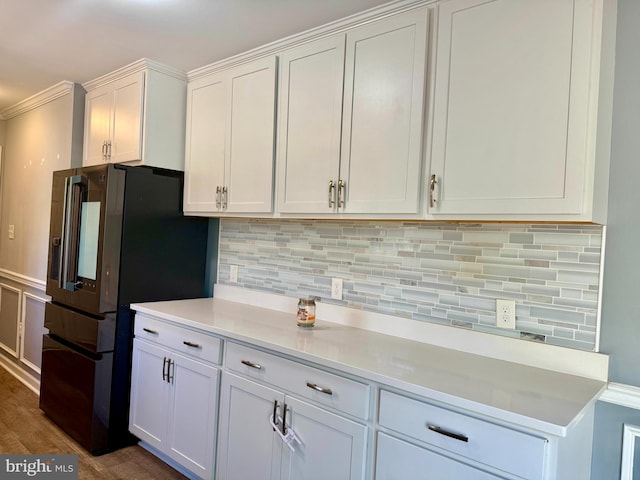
column 341, row 25
column 56, row 91
column 137, row 66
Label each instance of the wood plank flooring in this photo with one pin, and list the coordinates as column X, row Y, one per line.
column 25, row 429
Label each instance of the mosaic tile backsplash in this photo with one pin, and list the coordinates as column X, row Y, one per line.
column 442, row 273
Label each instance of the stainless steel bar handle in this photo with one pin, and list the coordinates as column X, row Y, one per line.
column 171, row 371
column 224, row 197
column 191, row 344
column 320, row 389
column 446, row 433
column 164, row 369
column 257, row 366
column 218, row 198
column 432, row 191
column 332, row 194
column 148, row 330
column 64, row 237
column 342, row 193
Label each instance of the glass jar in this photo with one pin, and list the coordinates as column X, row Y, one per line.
column 306, row 312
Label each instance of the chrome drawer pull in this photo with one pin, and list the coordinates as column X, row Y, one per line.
column 257, row 366
column 148, row 330
column 320, row 389
column 446, row 433
column 191, row 344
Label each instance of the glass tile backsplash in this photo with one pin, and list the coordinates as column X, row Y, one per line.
column 442, row 273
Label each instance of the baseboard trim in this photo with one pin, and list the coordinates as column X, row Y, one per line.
column 24, row 377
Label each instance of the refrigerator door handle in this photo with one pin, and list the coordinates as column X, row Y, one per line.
column 71, row 231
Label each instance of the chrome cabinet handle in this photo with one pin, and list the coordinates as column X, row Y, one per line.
column 224, row 197
column 164, row 369
column 332, row 194
column 191, row 344
column 104, row 149
column 170, row 371
column 432, row 189
column 148, row 330
column 257, row 366
column 446, row 433
column 320, row 389
column 218, row 196
column 342, row 193
column 109, row 149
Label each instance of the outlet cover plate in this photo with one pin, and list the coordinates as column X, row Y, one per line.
column 505, row 313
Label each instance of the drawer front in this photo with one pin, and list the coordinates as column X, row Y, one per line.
column 348, row 396
column 182, row 339
column 493, row 445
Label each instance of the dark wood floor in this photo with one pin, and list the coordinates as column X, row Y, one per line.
column 25, row 429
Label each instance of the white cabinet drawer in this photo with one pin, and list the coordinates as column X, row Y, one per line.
column 182, row 339
column 343, row 394
column 500, row 447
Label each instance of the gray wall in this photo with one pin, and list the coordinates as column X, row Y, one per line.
column 620, row 334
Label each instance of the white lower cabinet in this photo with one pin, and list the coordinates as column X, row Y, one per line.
column 330, row 445
column 174, row 405
column 400, row 460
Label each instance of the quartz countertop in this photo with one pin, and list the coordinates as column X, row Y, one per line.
column 530, row 397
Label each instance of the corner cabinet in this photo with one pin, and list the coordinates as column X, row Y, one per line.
column 136, row 115
column 230, row 140
column 516, row 110
column 351, row 120
column 174, row 393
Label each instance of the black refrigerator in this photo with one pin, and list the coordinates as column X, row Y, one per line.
column 117, row 236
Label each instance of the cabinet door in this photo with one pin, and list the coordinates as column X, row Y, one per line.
column 207, row 104
column 126, row 129
column 251, row 137
column 331, row 446
column 399, row 460
column 248, row 448
column 383, row 115
column 97, row 125
column 511, row 94
column 193, row 415
column 150, row 392
column 310, row 124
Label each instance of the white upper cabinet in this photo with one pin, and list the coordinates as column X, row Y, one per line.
column 351, row 111
column 136, row 115
column 230, row 140
column 515, row 109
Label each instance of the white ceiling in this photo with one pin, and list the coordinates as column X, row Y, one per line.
column 43, row 42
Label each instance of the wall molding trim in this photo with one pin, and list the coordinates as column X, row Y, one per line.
column 30, row 381
column 23, row 279
column 56, row 91
column 622, row 394
column 550, row 357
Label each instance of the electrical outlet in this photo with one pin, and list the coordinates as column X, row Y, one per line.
column 505, row 313
column 233, row 274
column 336, row 288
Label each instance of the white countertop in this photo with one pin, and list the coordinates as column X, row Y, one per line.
column 531, row 397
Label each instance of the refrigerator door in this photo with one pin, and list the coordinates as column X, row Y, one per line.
column 84, row 239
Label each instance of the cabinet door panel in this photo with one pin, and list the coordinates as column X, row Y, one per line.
column 248, row 448
column 383, row 111
column 310, row 125
column 399, row 460
column 149, row 394
column 98, row 105
column 504, row 111
column 331, row 446
column 126, row 130
column 249, row 176
column 192, row 428
column 205, row 151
